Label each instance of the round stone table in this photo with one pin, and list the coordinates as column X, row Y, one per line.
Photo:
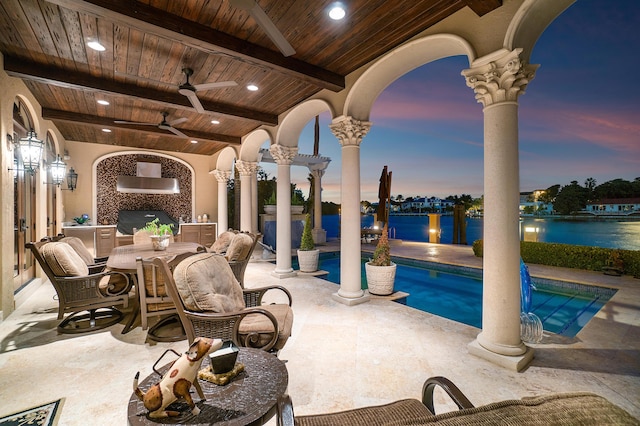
column 249, row 399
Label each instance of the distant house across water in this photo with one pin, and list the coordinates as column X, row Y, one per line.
column 614, row 206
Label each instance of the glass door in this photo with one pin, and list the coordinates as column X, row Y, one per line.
column 24, row 193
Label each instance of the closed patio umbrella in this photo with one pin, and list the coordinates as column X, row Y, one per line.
column 384, row 193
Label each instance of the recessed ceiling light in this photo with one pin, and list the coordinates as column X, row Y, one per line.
column 215, row 121
column 103, row 102
column 96, row 46
column 106, row 130
column 252, row 87
column 194, row 141
column 337, row 11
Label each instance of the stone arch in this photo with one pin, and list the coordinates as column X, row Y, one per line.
column 226, row 158
column 397, row 63
column 291, row 127
column 183, row 206
column 33, row 115
column 530, row 21
column 252, row 143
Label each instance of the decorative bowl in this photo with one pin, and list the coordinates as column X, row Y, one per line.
column 82, row 219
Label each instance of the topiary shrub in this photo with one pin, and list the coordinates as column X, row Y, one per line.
column 477, row 248
column 382, row 254
column 306, row 243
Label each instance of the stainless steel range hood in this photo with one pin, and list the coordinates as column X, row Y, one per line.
column 147, row 185
column 148, row 181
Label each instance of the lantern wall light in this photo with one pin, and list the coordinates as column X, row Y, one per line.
column 31, row 152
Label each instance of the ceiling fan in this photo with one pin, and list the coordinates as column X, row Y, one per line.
column 164, row 124
column 266, row 23
column 189, row 90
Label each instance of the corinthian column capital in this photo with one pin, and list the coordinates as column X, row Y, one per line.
column 221, row 175
column 501, row 80
column 316, row 173
column 349, row 131
column 246, row 168
column 283, row 154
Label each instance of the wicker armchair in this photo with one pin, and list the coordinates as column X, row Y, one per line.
column 237, row 247
column 239, row 253
column 266, row 327
column 154, row 298
column 578, row 408
column 79, row 290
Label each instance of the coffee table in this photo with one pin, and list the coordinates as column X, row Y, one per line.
column 249, row 399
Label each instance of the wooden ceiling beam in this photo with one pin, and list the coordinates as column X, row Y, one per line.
column 155, row 21
column 482, row 7
column 77, row 80
column 74, row 117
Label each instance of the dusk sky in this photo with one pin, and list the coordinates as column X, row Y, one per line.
column 579, row 117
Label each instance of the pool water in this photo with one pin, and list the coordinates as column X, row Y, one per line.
column 456, row 293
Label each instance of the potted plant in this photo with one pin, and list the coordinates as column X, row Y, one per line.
column 380, row 270
column 270, row 203
column 307, row 253
column 297, row 202
column 160, row 233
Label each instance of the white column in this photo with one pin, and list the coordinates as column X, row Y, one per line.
column 245, row 169
column 222, row 176
column 319, row 234
column 254, row 197
column 497, row 82
column 350, row 133
column 283, row 155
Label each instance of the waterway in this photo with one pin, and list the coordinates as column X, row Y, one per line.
column 608, row 233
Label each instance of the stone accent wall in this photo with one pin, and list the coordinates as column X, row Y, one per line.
column 110, row 201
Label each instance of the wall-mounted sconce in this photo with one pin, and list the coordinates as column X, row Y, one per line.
column 58, row 170
column 72, row 180
column 30, row 152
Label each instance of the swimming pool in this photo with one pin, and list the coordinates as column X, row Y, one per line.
column 456, row 293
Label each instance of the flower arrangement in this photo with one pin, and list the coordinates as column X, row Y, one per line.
column 156, row 228
column 382, row 255
column 306, row 243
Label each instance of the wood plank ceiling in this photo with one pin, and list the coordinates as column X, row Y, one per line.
column 149, row 42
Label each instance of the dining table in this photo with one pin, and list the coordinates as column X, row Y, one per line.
column 123, row 259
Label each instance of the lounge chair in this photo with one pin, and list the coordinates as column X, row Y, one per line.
column 578, row 408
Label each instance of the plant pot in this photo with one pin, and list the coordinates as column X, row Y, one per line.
column 308, row 260
column 380, row 279
column 160, row 242
column 270, row 208
column 297, row 209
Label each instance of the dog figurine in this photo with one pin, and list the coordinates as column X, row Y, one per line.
column 177, row 380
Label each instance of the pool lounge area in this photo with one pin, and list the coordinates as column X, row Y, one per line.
column 338, row 357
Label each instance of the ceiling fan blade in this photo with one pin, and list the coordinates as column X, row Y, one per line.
column 266, row 23
column 208, row 86
column 178, row 121
column 173, row 130
column 193, row 98
column 133, row 122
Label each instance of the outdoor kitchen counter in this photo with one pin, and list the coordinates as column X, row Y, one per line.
column 99, row 239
